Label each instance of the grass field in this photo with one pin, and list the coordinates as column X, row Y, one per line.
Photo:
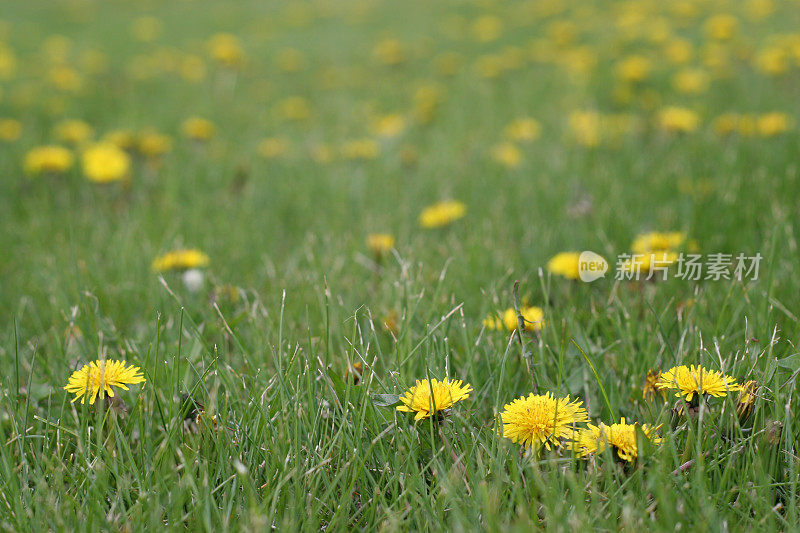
column 278, row 141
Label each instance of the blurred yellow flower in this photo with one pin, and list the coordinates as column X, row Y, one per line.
column 487, row 28
column 198, row 128
column 657, row 242
column 105, row 162
column 771, row 124
column 180, row 260
column 361, row 149
column 73, row 131
column 533, row 317
column 154, row 144
column 389, row 126
column 225, row 49
column 65, row 78
column 678, row 119
column 634, row 68
column 146, row 29
column 273, row 147
column 290, row 60
column 294, row 108
column 721, row 26
column 48, row 159
column 442, row 214
column 523, row 129
column 565, row 264
column 389, row 52
column 507, row 154
column 123, row 139
column 691, row 81
column 585, row 127
column 426, row 102
column 380, row 243
column 773, row 61
column 10, row 129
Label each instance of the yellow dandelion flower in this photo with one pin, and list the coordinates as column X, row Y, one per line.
column 429, row 397
column 565, row 264
column 493, row 322
column 657, row 242
column 389, row 52
column 771, row 124
column 198, row 128
column 154, row 144
column 532, row 315
column 690, row 380
column 73, row 131
column 523, row 129
column 541, row 419
column 620, row 437
column 122, row 139
column 633, row 68
column 180, row 260
column 442, row 214
column 105, row 162
column 721, row 26
column 294, row 108
column 649, row 389
column 380, row 243
column 98, row 378
column 226, row 49
column 389, row 126
column 273, row 147
column 361, row 149
column 10, row 129
column 507, row 154
column 48, row 159
column 678, row 119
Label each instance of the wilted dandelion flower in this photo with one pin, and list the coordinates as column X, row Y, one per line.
column 197, row 128
column 48, row 159
column 180, row 260
column 105, row 162
column 541, row 419
column 380, row 243
column 690, row 380
column 442, row 214
column 429, row 397
column 620, row 437
column 565, row 264
column 99, row 377
column 747, row 398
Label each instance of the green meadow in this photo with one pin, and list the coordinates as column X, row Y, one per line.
column 234, row 198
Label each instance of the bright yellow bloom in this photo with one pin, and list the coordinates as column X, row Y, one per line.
column 507, row 154
column 10, row 129
column 99, row 377
column 105, row 162
column 533, row 316
column 181, row 260
column 565, row 264
column 380, row 243
column 678, row 119
column 442, row 214
column 541, row 419
column 197, row 128
column 621, row 437
column 73, row 131
column 657, row 242
column 427, row 398
column 694, row 379
column 54, row 159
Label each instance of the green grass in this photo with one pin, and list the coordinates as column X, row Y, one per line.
column 297, row 444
